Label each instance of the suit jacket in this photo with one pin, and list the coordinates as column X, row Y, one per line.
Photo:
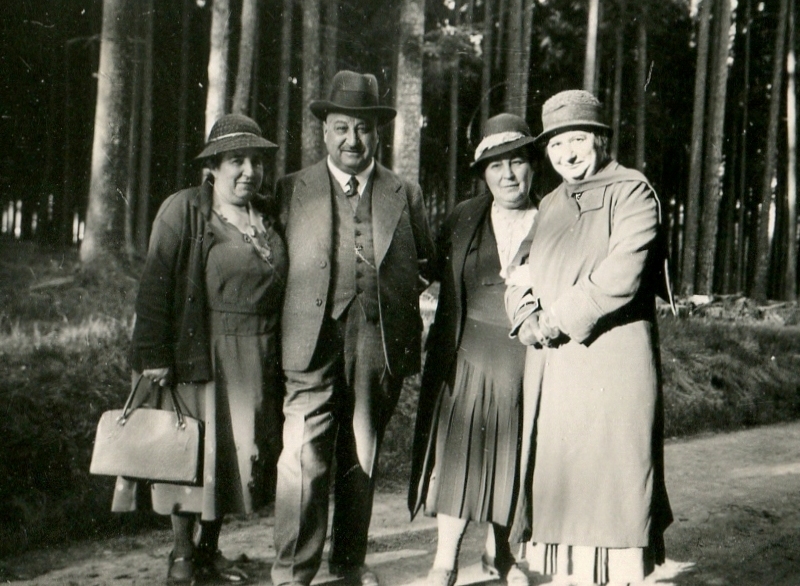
column 403, row 251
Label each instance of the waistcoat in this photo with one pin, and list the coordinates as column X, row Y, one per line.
column 355, row 275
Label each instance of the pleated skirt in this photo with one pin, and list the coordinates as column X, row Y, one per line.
column 478, row 428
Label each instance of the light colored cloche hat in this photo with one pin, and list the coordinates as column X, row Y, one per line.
column 233, row 132
column 353, row 94
column 503, row 133
column 569, row 110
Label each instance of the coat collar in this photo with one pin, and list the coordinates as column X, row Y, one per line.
column 473, row 213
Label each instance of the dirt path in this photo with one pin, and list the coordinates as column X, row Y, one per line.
column 736, row 499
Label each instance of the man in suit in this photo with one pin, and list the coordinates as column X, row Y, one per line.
column 359, row 249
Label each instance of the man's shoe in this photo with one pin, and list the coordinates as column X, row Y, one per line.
column 356, row 575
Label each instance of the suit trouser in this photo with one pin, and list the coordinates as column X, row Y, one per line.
column 340, row 406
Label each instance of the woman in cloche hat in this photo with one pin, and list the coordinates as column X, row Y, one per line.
column 470, row 408
column 587, row 312
column 207, row 316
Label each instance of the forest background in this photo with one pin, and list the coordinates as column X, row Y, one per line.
column 104, row 103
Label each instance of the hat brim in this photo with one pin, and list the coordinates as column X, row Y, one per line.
column 591, row 125
column 235, row 143
column 382, row 114
column 500, row 150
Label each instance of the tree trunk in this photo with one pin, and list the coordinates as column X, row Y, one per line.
column 502, row 17
column 452, row 163
column 790, row 279
column 183, row 94
column 408, row 94
column 590, row 61
column 641, row 88
column 284, row 86
column 743, row 188
column 217, row 95
column 525, row 56
column 713, row 160
column 763, row 244
column 247, row 48
column 330, row 42
column 513, row 53
column 692, row 219
column 104, row 232
column 486, row 75
column 131, row 187
column 312, row 133
column 619, row 63
column 145, row 157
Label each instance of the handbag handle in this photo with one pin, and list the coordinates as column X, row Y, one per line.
column 126, row 410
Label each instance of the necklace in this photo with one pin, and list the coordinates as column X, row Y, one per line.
column 251, row 229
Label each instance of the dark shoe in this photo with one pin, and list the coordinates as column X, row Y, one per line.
column 212, row 565
column 357, row 575
column 179, row 570
column 515, row 577
column 441, row 577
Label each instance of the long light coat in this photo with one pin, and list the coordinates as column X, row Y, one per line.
column 594, row 413
column 403, row 249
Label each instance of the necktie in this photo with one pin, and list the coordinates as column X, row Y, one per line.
column 352, row 192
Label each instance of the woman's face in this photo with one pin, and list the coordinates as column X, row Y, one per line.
column 573, row 155
column 238, row 176
column 509, row 180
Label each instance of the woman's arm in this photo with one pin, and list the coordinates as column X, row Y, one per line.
column 153, row 340
column 616, row 280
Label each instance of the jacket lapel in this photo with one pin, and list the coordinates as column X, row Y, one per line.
column 387, row 206
column 312, row 206
column 463, row 237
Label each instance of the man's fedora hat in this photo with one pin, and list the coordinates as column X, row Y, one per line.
column 503, row 133
column 354, row 94
column 571, row 110
column 233, row 132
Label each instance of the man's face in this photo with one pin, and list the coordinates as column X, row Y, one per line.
column 351, row 142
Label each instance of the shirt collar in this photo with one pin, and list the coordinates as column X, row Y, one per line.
column 342, row 177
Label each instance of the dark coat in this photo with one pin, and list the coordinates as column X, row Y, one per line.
column 403, row 251
column 453, row 245
column 171, row 327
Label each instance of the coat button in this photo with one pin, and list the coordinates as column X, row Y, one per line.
column 191, row 298
column 323, row 264
column 318, row 302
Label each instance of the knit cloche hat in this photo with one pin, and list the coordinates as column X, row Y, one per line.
column 354, row 94
column 503, row 133
column 569, row 110
column 233, row 132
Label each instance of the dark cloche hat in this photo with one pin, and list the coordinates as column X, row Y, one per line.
column 355, row 94
column 503, row 133
column 233, row 132
column 568, row 110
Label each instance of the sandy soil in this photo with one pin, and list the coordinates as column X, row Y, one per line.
column 736, row 499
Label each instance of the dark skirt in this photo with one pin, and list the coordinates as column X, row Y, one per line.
column 477, row 428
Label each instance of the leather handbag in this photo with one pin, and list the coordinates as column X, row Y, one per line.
column 149, row 444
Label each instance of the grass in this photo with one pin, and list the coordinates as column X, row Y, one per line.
column 64, row 334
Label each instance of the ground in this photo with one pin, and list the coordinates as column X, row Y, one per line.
column 736, row 500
